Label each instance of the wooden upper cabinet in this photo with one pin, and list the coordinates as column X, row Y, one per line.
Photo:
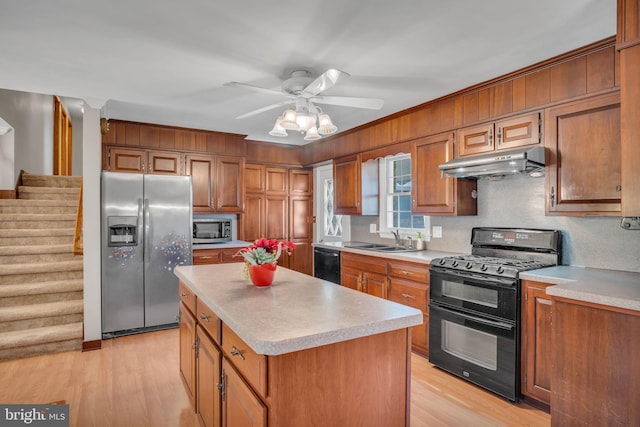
column 144, row 161
column 300, row 182
column 433, row 194
column 127, row 160
column 584, row 157
column 355, row 186
column 216, row 183
column 501, row 135
column 164, row 163
column 229, row 184
column 254, row 178
column 277, row 180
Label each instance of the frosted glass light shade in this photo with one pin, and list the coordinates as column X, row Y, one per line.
column 289, row 120
column 312, row 134
column 278, row 130
column 326, row 126
column 305, row 121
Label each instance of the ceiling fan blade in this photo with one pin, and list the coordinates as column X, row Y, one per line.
column 267, row 108
column 255, row 88
column 324, row 81
column 350, row 101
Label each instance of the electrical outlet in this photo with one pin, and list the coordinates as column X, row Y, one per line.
column 372, row 228
column 436, row 232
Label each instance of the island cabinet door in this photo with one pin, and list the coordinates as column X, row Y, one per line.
column 187, row 351
column 209, row 370
column 240, row 407
column 374, row 284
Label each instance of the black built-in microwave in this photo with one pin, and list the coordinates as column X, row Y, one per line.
column 211, row 230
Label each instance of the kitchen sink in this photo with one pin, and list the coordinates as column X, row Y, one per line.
column 377, row 247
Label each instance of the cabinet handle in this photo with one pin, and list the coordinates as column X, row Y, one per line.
column 204, row 317
column 236, row 352
column 205, row 257
column 406, row 273
column 618, row 188
column 491, row 136
column 552, row 197
column 499, row 136
column 408, row 296
column 219, row 203
column 184, row 294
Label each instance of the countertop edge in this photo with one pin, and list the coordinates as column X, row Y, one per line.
column 423, row 257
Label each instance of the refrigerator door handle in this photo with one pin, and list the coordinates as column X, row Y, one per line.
column 147, row 231
column 141, row 232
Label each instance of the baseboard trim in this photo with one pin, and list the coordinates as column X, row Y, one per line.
column 7, row 194
column 91, row 345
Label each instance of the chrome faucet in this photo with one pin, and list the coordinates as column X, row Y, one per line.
column 396, row 234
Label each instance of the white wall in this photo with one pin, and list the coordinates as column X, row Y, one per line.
column 7, row 159
column 91, row 167
column 31, row 116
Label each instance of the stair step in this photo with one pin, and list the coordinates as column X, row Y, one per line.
column 36, row 180
column 36, row 221
column 15, row 279
column 34, row 336
column 36, row 254
column 44, row 267
column 41, row 349
column 35, row 311
column 39, row 288
column 48, row 193
column 41, row 322
column 38, row 206
column 33, row 237
column 24, row 300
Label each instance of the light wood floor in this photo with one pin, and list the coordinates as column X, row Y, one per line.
column 134, row 381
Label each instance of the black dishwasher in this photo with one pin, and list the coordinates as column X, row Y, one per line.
column 326, row 264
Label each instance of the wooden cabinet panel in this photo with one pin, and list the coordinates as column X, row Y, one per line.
column 350, row 277
column 347, row 184
column 595, row 371
column 537, row 88
column 300, row 218
column 254, row 178
column 229, row 184
column 413, row 294
column 187, row 351
column 253, row 219
column 215, row 256
column 240, row 407
column 537, row 344
column 251, row 365
column 300, row 182
column 165, row 163
column 208, row 320
column 276, row 217
column 187, row 297
column 208, row 397
column 301, row 258
column 475, row 139
column 277, row 181
column 201, row 169
column 584, row 172
column 600, row 72
column 518, row 131
column 127, row 160
column 433, row 194
column 568, row 79
column 374, row 284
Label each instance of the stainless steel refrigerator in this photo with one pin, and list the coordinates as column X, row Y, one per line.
column 146, row 232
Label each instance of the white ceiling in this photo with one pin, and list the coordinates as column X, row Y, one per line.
column 166, row 62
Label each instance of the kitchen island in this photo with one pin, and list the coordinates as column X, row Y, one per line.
column 311, row 352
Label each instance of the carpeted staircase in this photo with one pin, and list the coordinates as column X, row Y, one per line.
column 41, row 299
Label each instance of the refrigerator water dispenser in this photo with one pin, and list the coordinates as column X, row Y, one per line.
column 123, row 230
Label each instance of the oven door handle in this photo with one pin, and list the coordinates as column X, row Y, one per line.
column 482, row 320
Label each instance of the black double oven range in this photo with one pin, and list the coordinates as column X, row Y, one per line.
column 474, row 312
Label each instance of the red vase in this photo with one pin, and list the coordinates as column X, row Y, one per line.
column 262, row 275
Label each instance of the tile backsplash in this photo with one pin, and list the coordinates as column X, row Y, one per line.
column 518, row 201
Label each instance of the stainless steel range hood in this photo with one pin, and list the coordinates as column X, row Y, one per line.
column 525, row 160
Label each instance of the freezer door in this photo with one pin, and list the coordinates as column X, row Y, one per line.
column 122, row 266
column 167, row 210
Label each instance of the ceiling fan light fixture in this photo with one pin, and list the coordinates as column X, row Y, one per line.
column 288, row 120
column 326, row 126
column 305, row 121
column 278, row 130
column 312, row 134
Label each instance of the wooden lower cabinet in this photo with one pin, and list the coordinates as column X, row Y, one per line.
column 409, row 285
column 215, row 256
column 188, row 351
column 240, row 407
column 596, row 367
column 537, row 344
column 208, row 395
column 364, row 273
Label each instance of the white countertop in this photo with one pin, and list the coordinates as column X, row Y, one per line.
column 296, row 312
column 606, row 287
column 231, row 244
column 420, row 256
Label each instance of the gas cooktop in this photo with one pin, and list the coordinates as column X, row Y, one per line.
column 506, row 267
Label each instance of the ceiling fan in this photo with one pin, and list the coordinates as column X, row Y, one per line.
column 305, row 91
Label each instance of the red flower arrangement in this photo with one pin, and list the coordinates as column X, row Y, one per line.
column 265, row 251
